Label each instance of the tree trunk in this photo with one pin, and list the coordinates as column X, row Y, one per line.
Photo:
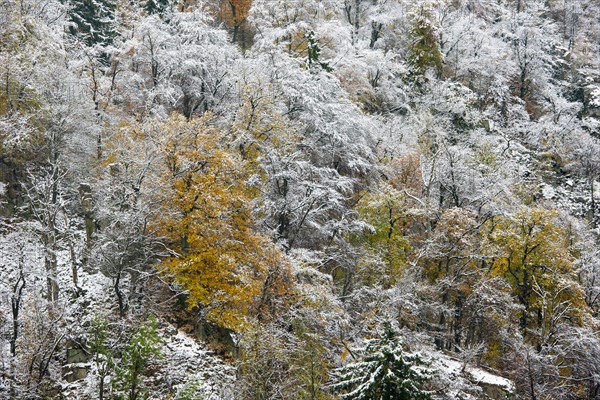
column 120, row 297
column 50, row 265
column 593, row 205
column 15, row 306
column 375, row 31
column 101, row 388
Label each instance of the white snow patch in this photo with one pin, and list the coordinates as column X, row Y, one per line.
column 482, row 376
column 595, row 97
column 596, row 190
column 548, row 192
column 476, row 375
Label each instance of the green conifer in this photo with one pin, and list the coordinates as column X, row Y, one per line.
column 384, row 372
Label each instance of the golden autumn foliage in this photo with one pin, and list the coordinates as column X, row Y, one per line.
column 531, row 250
column 235, row 12
column 206, row 216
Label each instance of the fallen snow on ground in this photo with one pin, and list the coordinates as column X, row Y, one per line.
column 476, row 375
column 191, row 367
column 186, row 366
column 482, row 376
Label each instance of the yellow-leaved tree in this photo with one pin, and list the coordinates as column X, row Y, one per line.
column 206, row 217
column 532, row 251
column 234, row 13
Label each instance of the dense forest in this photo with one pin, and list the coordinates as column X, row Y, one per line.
column 300, row 199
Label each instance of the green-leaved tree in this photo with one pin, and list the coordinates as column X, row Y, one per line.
column 144, row 347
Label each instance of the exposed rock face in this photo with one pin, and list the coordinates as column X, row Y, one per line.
column 85, row 199
column 76, row 367
column 496, row 392
column 218, row 339
column 494, row 386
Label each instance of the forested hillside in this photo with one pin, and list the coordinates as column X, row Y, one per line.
column 299, row 199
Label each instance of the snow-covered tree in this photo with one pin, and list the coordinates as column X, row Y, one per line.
column 384, row 371
column 94, row 21
column 161, row 71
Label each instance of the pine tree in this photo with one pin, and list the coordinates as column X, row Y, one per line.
column 94, row 21
column 384, row 372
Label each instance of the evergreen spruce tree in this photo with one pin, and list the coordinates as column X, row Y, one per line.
column 94, row 21
column 314, row 53
column 424, row 52
column 384, row 372
column 158, row 7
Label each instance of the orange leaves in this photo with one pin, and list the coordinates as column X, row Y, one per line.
column 235, row 12
column 207, row 218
